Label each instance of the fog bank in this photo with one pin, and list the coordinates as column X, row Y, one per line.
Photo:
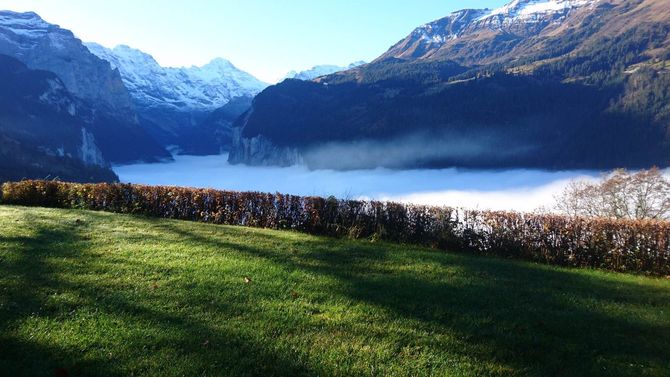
column 522, row 190
column 417, row 149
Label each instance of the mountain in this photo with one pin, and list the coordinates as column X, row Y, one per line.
column 91, row 80
column 320, row 70
column 218, row 125
column 475, row 36
column 172, row 102
column 41, row 132
column 556, row 84
column 203, row 88
column 19, row 161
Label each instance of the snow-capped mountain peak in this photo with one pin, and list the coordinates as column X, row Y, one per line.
column 122, row 56
column 321, row 70
column 27, row 24
column 518, row 18
column 219, row 64
column 196, row 88
column 528, row 8
column 514, row 11
column 449, row 27
column 218, row 68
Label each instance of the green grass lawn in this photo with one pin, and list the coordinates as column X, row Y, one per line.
column 104, row 294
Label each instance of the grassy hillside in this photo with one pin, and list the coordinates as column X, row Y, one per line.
column 87, row 293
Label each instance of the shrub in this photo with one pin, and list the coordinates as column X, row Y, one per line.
column 623, row 195
column 618, row 245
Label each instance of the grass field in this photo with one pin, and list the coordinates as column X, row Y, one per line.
column 86, row 293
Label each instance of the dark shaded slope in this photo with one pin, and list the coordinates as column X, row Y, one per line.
column 18, row 162
column 590, row 91
column 40, row 134
column 214, row 134
column 103, row 99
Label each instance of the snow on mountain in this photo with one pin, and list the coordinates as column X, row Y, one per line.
column 103, row 103
column 194, row 88
column 517, row 11
column 449, row 27
column 320, row 70
column 529, row 9
column 27, row 24
column 517, row 19
column 41, row 45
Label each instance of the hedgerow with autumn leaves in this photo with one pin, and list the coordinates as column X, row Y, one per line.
column 641, row 246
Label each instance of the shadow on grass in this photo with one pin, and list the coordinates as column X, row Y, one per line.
column 31, row 280
column 528, row 319
column 29, row 269
column 531, row 319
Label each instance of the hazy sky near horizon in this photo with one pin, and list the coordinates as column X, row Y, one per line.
column 267, row 38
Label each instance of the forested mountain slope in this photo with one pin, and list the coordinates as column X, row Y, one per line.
column 549, row 84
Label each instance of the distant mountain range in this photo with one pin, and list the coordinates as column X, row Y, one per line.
column 537, row 83
column 203, row 88
column 320, row 70
column 112, row 119
column 90, row 107
column 550, row 84
column 172, row 102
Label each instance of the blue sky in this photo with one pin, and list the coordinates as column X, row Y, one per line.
column 267, row 38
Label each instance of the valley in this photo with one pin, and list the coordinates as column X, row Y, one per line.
column 561, row 84
column 520, row 190
column 543, row 85
column 318, row 188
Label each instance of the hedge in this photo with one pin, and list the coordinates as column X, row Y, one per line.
column 617, row 245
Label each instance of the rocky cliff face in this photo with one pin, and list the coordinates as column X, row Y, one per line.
column 260, row 151
column 48, row 47
column 217, row 128
column 477, row 36
column 42, row 132
column 36, row 109
column 89, row 79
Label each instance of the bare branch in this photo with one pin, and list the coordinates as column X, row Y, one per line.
column 621, row 194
